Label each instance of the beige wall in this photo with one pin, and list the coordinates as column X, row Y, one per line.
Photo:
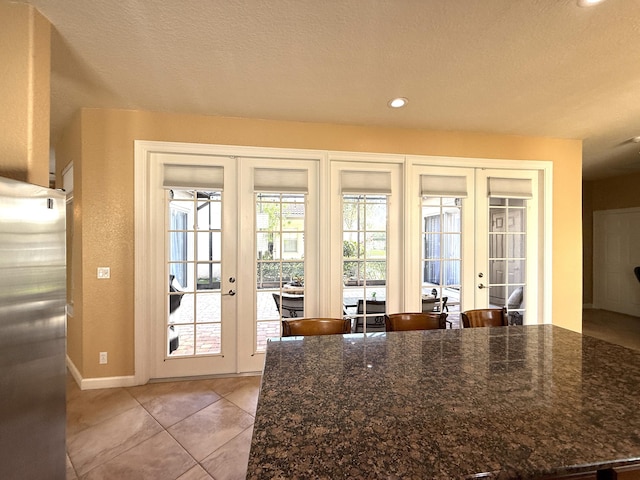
column 606, row 194
column 106, row 209
column 25, row 39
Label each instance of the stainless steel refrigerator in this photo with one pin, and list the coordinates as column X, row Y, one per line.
column 32, row 332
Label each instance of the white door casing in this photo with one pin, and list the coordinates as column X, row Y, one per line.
column 475, row 222
column 616, row 236
column 249, row 358
column 376, row 164
column 326, row 271
column 238, row 227
column 500, row 271
column 224, row 361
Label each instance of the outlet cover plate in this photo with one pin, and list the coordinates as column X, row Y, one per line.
column 104, row 272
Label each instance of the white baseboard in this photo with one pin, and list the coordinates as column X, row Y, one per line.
column 101, row 382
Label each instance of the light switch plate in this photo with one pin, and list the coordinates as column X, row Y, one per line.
column 104, row 272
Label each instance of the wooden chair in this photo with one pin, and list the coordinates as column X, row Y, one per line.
column 397, row 322
column 485, row 317
column 315, row 326
column 290, row 306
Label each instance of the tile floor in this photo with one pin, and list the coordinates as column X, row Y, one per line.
column 613, row 327
column 199, row 429
column 184, row 430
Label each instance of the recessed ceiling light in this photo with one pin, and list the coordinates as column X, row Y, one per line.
column 398, row 102
column 588, row 3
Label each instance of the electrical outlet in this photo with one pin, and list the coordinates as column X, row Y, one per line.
column 103, row 358
column 104, row 272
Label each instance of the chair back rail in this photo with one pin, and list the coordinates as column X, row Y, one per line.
column 485, row 317
column 397, row 322
column 315, row 326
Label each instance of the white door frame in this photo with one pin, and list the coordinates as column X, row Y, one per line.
column 250, row 360
column 416, row 164
column 614, row 290
column 143, row 276
column 391, row 164
column 145, row 272
column 532, row 273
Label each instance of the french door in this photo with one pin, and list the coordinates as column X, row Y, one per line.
column 231, row 240
column 507, row 243
column 478, row 241
column 366, row 232
column 195, row 249
column 278, row 253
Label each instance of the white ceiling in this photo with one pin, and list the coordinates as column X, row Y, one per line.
column 524, row 67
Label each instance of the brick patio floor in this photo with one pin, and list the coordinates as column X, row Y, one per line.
column 207, row 325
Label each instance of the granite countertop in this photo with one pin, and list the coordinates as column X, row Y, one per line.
column 509, row 402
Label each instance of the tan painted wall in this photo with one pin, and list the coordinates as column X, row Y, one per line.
column 107, row 208
column 25, row 40
column 587, row 243
column 606, row 194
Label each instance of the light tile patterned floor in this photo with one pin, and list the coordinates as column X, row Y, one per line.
column 186, row 430
column 199, row 429
column 613, row 327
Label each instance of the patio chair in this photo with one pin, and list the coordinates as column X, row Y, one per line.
column 374, row 323
column 432, row 304
column 175, row 294
column 513, row 303
column 289, row 306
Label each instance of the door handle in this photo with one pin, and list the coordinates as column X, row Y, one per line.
column 230, row 294
column 481, row 286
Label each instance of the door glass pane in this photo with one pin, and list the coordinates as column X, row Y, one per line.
column 207, row 307
column 364, row 260
column 451, row 273
column 280, row 268
column 194, row 241
column 181, row 340
column 441, row 286
column 209, row 246
column 516, row 246
column 209, row 211
column 507, row 256
column 208, row 275
column 208, row 335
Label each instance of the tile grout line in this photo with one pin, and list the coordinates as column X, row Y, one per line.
column 138, row 403
column 132, row 446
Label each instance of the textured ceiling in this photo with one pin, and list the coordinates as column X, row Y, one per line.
column 525, row 67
